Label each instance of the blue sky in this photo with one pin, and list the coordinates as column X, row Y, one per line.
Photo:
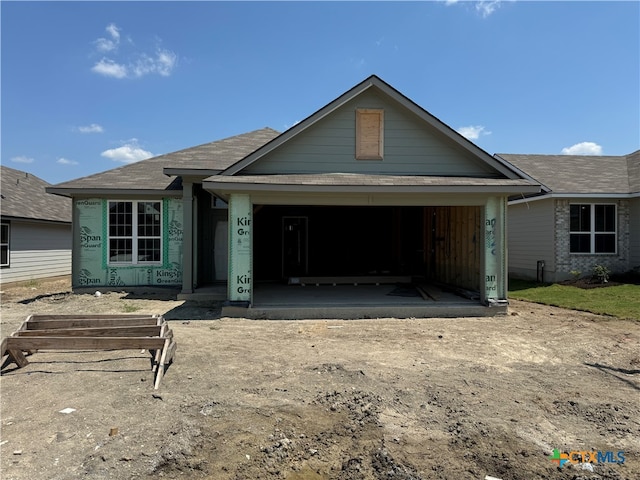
column 89, row 86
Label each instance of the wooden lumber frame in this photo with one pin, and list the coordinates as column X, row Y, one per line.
column 350, row 280
column 92, row 332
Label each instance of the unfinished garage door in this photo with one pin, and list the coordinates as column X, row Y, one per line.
column 437, row 243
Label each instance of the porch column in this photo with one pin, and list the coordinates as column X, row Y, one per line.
column 187, row 237
column 495, row 254
column 240, row 249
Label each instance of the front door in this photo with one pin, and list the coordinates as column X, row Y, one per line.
column 295, row 261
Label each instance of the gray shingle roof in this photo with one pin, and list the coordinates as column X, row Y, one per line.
column 633, row 166
column 148, row 174
column 24, row 196
column 581, row 174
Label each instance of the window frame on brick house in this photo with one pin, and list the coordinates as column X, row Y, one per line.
column 593, row 231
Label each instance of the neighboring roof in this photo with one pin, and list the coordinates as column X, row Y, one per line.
column 633, row 167
column 376, row 83
column 149, row 176
column 351, row 182
column 581, row 174
column 24, row 196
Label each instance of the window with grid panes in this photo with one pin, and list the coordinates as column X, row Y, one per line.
column 4, row 245
column 135, row 232
column 592, row 228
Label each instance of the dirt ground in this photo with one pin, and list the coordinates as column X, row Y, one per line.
column 324, row 399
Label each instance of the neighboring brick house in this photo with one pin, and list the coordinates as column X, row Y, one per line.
column 587, row 214
column 36, row 229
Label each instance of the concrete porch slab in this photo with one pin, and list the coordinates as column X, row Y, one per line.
column 212, row 293
column 273, row 302
column 359, row 312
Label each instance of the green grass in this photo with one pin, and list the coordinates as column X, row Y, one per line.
column 622, row 301
column 129, row 308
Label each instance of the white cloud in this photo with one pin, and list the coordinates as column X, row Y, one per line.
column 93, row 128
column 66, row 161
column 113, row 31
column 473, row 132
column 109, row 68
column 358, row 62
column 483, row 7
column 162, row 64
column 22, row 159
column 130, row 152
column 131, row 64
column 487, row 7
column 109, row 44
column 583, row 148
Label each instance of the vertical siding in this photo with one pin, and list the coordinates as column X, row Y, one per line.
column 453, row 245
column 530, row 233
column 411, row 147
column 38, row 250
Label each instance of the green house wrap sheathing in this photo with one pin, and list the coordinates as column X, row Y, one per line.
column 91, row 267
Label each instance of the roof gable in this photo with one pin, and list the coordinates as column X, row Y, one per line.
column 24, row 196
column 325, row 142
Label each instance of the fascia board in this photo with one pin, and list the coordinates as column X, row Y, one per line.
column 616, row 196
column 111, row 192
column 190, row 172
column 9, row 218
column 458, row 189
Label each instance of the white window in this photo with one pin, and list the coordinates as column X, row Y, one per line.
column 135, row 232
column 592, row 228
column 4, row 245
column 369, row 134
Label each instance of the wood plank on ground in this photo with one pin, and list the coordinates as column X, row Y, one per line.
column 433, row 292
column 89, row 322
column 87, row 316
column 350, row 280
column 92, row 332
column 84, row 343
column 136, row 331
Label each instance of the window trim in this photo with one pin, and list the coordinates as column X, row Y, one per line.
column 134, row 234
column 7, row 244
column 592, row 228
column 361, row 152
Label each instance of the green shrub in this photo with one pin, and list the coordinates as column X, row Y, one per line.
column 602, row 273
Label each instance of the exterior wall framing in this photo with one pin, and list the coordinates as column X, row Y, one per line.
column 90, row 265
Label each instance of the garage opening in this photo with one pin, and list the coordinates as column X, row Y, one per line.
column 439, row 244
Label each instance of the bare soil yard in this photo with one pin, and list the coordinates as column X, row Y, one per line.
column 324, row 399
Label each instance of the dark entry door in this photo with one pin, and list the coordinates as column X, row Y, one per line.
column 295, row 257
